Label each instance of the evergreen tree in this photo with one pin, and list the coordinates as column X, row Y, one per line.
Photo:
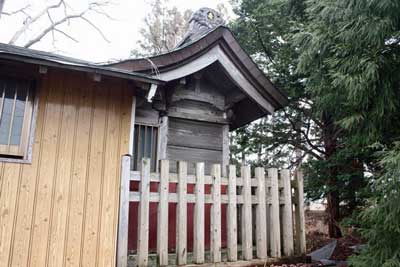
column 308, row 126
column 381, row 221
column 355, row 47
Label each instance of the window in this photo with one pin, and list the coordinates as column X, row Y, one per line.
column 145, row 145
column 15, row 117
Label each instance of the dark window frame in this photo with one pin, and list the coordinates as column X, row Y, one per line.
column 25, row 156
column 154, row 140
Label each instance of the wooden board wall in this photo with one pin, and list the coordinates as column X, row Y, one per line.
column 62, row 210
column 194, row 141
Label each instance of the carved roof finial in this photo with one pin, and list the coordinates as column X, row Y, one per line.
column 201, row 22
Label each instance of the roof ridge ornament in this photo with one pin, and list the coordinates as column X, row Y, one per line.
column 201, row 22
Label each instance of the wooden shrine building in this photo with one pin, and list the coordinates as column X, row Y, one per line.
column 66, row 123
column 211, row 87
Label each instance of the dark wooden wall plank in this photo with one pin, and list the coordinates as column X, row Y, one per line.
column 195, row 134
column 193, row 155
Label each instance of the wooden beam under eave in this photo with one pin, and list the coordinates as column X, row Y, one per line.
column 233, row 98
column 246, row 111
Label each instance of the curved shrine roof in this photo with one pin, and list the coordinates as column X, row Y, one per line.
column 188, row 52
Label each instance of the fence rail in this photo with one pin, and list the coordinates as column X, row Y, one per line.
column 278, row 211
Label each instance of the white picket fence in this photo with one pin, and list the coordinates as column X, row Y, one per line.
column 278, row 202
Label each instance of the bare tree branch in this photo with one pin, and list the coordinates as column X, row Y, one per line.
column 54, row 38
column 32, row 20
column 295, row 163
column 264, row 47
column 1, row 6
column 305, row 136
column 97, row 7
column 65, row 8
column 21, row 10
column 94, row 7
column 67, row 35
column 164, row 26
column 305, row 149
column 49, row 16
column 96, row 28
column 49, row 29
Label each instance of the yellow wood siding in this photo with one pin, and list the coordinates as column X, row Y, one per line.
column 62, row 210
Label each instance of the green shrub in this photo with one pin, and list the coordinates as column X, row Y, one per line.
column 381, row 221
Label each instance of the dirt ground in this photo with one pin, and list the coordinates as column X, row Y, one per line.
column 317, row 237
column 294, row 265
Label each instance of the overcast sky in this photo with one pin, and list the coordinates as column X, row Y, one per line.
column 123, row 32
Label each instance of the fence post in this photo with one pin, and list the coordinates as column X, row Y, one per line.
column 215, row 239
column 143, row 229
column 181, row 214
column 122, row 250
column 247, row 238
column 287, row 214
column 162, row 226
column 232, row 214
column 299, row 211
column 261, row 215
column 198, row 242
column 274, row 214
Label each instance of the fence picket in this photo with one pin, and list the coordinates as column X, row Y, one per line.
column 274, row 214
column 162, row 226
column 181, row 214
column 216, row 214
column 122, row 252
column 287, row 214
column 232, row 214
column 198, row 242
column 299, row 211
column 261, row 215
column 247, row 238
column 143, row 229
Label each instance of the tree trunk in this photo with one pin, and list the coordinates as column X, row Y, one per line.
column 332, row 210
column 333, row 200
